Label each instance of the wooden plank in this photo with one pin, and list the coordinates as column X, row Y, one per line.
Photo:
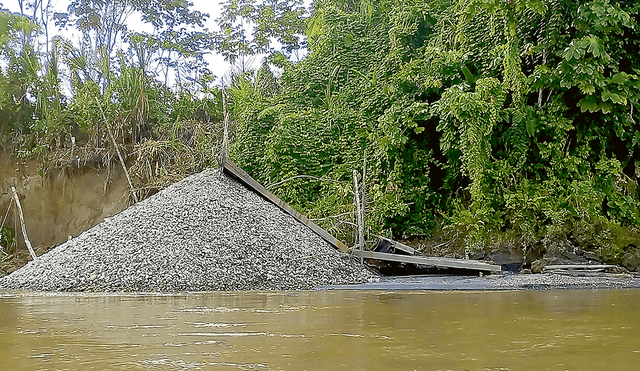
column 581, row 273
column 582, row 270
column 400, row 246
column 580, row 266
column 234, row 170
column 431, row 261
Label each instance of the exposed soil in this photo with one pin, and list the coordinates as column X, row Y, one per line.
column 57, row 205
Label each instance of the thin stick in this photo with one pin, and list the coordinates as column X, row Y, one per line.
column 113, row 139
column 341, row 222
column 441, row 244
column 364, row 194
column 225, row 136
column 24, row 228
column 360, row 238
column 6, row 215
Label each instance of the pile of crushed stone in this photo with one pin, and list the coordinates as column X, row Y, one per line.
column 205, row 233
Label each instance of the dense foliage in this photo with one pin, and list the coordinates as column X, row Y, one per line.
column 488, row 121
column 484, row 122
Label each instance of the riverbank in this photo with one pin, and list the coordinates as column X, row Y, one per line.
column 208, row 233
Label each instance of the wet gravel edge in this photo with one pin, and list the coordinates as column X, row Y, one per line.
column 497, row 282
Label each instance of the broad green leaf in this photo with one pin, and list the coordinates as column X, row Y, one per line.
column 517, row 117
column 468, row 75
column 580, row 24
column 587, row 88
column 596, row 46
column 574, row 51
column 588, row 104
column 531, row 127
column 615, row 98
column 619, row 78
column 605, row 107
column 348, row 40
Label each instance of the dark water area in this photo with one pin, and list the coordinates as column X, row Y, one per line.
column 322, row 330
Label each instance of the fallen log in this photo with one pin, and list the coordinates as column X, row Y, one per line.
column 582, row 270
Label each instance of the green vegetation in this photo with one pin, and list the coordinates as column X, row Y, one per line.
column 63, row 101
column 486, row 122
column 7, row 242
column 483, row 122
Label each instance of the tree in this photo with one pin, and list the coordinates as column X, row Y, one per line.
column 252, row 28
column 102, row 25
column 172, row 46
column 38, row 12
column 493, row 120
column 562, row 92
column 17, row 81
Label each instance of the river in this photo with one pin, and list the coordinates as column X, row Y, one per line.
column 322, row 330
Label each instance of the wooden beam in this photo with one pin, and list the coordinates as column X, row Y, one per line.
column 234, row 170
column 580, row 266
column 400, row 246
column 430, row 261
column 582, row 270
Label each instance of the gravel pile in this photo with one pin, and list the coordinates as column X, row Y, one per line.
column 207, row 232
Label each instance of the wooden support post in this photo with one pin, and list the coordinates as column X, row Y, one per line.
column 363, row 200
column 360, row 235
column 225, row 134
column 24, row 228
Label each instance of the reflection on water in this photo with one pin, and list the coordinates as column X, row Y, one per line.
column 322, row 330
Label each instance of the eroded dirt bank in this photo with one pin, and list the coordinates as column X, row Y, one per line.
column 56, row 205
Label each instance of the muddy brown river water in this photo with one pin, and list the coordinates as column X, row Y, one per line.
column 322, row 330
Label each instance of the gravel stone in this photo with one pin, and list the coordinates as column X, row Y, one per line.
column 205, row 233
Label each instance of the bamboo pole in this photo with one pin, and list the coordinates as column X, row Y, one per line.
column 24, row 228
column 115, row 145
